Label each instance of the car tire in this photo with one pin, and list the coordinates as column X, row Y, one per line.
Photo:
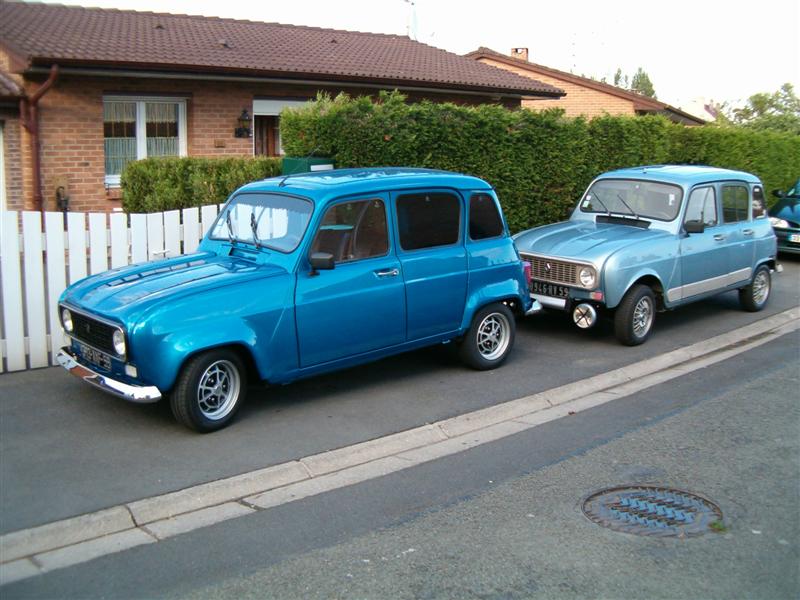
column 210, row 388
column 490, row 338
column 635, row 316
column 753, row 297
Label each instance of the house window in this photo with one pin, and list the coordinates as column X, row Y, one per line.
column 136, row 128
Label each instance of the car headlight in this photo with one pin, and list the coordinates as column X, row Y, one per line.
column 587, row 277
column 66, row 320
column 779, row 223
column 118, row 338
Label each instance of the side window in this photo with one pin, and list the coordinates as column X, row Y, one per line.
column 353, row 230
column 735, row 201
column 427, row 220
column 702, row 206
column 484, row 218
column 759, row 205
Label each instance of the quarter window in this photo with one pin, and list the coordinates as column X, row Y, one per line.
column 353, row 230
column 135, row 128
column 735, row 200
column 428, row 220
column 484, row 219
column 759, row 206
column 702, row 207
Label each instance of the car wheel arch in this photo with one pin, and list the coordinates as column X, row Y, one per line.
column 241, row 350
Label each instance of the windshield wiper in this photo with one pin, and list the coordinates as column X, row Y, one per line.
column 605, row 208
column 621, row 199
column 231, row 237
column 254, row 228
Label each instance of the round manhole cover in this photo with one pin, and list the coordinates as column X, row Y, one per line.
column 651, row 510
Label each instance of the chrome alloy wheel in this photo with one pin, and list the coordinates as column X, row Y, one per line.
column 218, row 390
column 643, row 317
column 761, row 287
column 494, row 336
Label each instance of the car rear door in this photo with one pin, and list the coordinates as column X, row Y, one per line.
column 738, row 231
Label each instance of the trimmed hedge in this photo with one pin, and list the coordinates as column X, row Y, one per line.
column 159, row 184
column 539, row 162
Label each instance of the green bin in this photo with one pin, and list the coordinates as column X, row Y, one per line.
column 305, row 165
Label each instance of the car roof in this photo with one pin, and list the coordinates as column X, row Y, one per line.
column 353, row 181
column 680, row 174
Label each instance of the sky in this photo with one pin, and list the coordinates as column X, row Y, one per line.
column 717, row 50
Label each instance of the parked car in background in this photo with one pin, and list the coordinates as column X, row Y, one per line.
column 647, row 239
column 785, row 218
column 301, row 275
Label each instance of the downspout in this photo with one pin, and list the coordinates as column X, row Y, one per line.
column 29, row 116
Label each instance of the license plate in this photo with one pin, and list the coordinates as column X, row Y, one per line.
column 549, row 289
column 95, row 356
column 795, row 237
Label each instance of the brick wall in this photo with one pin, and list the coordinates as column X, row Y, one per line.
column 580, row 100
column 12, row 156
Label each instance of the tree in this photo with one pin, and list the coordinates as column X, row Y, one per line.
column 779, row 112
column 641, row 84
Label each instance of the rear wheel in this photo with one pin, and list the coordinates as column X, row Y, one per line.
column 490, row 337
column 754, row 296
column 635, row 316
column 210, row 388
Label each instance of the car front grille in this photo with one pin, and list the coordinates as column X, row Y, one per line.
column 546, row 269
column 93, row 332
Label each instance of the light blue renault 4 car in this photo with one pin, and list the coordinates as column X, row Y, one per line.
column 301, row 275
column 647, row 239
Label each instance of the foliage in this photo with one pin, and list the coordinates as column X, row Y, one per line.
column 779, row 111
column 539, row 162
column 159, row 184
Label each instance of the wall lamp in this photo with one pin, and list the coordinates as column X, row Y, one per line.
column 243, row 130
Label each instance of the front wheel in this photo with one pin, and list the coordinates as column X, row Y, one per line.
column 490, row 338
column 754, row 296
column 210, row 388
column 635, row 315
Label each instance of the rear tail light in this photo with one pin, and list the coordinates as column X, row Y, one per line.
column 527, row 266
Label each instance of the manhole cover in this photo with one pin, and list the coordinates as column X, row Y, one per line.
column 650, row 510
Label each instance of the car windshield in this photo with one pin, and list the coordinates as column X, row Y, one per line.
column 635, row 198
column 270, row 220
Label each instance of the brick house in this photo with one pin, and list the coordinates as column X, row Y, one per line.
column 584, row 96
column 83, row 91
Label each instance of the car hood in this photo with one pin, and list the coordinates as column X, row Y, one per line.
column 787, row 209
column 584, row 240
column 122, row 293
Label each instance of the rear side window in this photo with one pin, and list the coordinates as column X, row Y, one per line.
column 484, row 218
column 702, row 207
column 428, row 220
column 759, row 206
column 735, row 200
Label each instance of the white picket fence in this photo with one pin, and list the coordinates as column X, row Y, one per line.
column 37, row 264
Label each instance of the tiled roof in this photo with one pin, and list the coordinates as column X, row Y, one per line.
column 640, row 102
column 8, row 87
column 40, row 34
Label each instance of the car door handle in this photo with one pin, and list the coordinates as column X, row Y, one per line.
column 719, row 237
column 387, row 273
column 747, row 232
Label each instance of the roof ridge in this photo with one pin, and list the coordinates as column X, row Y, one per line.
column 202, row 17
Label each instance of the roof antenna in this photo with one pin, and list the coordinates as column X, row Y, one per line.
column 285, row 177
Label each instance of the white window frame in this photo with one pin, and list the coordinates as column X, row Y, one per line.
column 141, row 126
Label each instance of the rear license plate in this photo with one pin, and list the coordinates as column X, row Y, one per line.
column 795, row 237
column 95, row 356
column 549, row 289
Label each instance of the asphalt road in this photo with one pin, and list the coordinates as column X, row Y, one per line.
column 66, row 449
column 503, row 520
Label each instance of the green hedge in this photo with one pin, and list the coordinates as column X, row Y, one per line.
column 539, row 162
column 158, row 184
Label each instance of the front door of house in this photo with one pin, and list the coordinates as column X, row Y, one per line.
column 266, row 135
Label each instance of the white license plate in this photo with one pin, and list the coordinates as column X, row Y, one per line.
column 95, row 356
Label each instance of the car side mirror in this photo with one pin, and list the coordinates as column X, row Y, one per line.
column 321, row 261
column 779, row 194
column 694, row 227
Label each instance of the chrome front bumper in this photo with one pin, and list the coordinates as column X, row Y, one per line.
column 133, row 393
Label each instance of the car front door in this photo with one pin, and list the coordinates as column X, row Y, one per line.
column 704, row 256
column 434, row 260
column 359, row 305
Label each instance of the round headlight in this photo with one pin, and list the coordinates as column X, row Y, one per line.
column 779, row 223
column 66, row 320
column 587, row 277
column 118, row 338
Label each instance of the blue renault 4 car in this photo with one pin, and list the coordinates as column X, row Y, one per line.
column 647, row 239
column 300, row 275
